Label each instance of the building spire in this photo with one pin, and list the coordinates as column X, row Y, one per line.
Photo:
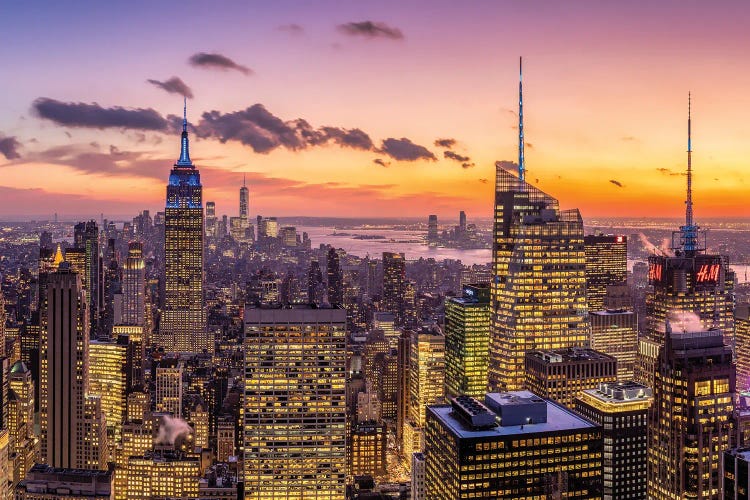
column 521, row 161
column 689, row 236
column 184, row 160
column 244, row 178
column 689, row 200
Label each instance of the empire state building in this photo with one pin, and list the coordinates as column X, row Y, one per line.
column 183, row 326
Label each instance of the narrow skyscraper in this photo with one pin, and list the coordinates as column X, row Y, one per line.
column 538, row 295
column 73, row 427
column 182, row 326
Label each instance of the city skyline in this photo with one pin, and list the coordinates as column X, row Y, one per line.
column 604, row 107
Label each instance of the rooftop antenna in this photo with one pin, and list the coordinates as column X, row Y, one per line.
column 521, row 162
column 689, row 232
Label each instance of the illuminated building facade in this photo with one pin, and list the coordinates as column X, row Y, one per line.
column 211, row 226
column 294, row 428
column 169, row 376
column 539, row 450
column 108, row 362
column 426, row 372
column 742, row 345
column 562, row 374
column 621, row 410
column 467, row 341
column 183, row 326
column 606, row 264
column 24, row 444
column 162, row 475
column 394, row 276
column 687, row 285
column 367, row 450
column 539, row 291
column 615, row 332
column 86, row 240
column 134, row 286
column 71, row 428
column 690, row 423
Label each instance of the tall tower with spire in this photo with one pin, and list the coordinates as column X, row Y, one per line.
column 182, row 328
column 538, row 294
column 688, row 287
column 244, row 201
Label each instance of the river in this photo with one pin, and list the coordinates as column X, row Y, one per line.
column 411, row 244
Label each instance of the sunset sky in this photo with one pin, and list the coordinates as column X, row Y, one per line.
column 303, row 97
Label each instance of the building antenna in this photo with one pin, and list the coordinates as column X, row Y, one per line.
column 689, row 230
column 521, row 161
column 689, row 201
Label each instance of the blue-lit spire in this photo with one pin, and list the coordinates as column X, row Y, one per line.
column 184, row 160
column 521, row 161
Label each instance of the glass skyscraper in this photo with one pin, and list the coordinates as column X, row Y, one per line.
column 538, row 295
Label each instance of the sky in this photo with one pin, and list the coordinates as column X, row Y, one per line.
column 340, row 108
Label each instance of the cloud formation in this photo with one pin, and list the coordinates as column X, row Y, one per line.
column 370, row 29
column 445, row 143
column 217, row 61
column 292, row 28
column 79, row 114
column 484, row 181
column 263, row 131
column 382, row 163
column 666, row 171
column 455, row 156
column 405, row 150
column 9, row 147
column 616, row 183
column 174, row 86
column 468, row 164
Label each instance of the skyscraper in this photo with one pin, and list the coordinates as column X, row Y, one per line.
column 622, row 411
column 211, row 226
column 394, row 276
column 335, row 278
column 690, row 421
column 295, row 403
column 615, row 332
column 561, row 375
column 689, row 286
column 467, row 341
column 244, row 202
column 86, row 239
column 432, row 230
column 538, row 295
column 73, row 429
column 134, row 286
column 742, row 341
column 182, row 326
column 606, row 264
column 514, row 446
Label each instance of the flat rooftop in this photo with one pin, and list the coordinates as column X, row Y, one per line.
column 559, row 419
column 612, row 312
column 573, row 354
column 621, row 392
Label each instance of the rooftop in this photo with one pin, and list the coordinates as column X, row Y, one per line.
column 559, row 419
column 573, row 354
column 620, row 392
